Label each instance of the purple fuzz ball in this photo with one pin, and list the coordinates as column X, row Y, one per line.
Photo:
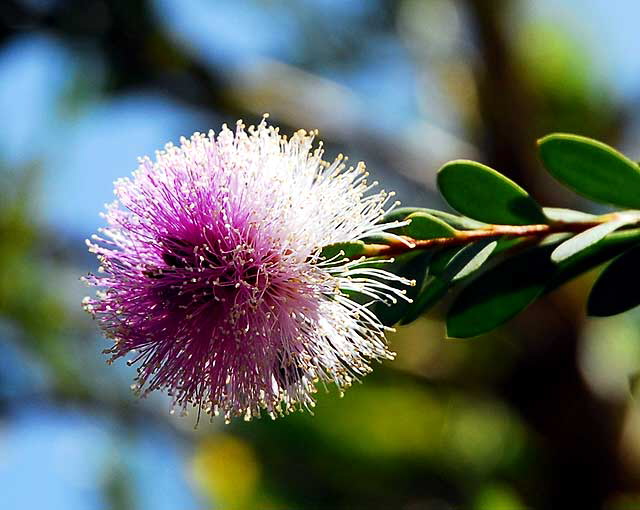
column 211, row 279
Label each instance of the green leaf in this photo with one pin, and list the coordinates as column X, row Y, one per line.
column 441, row 259
column 474, row 264
column 448, row 266
column 426, row 226
column 501, row 293
column 349, row 249
column 587, row 238
column 508, row 288
column 618, row 287
column 567, row 215
column 592, row 169
column 611, row 246
column 413, row 266
column 383, row 238
column 482, row 193
column 400, row 213
column 457, row 222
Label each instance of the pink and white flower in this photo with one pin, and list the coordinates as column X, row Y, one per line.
column 211, row 272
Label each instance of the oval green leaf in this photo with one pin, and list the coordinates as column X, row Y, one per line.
column 425, row 226
column 481, row 193
column 508, row 288
column 587, row 238
column 384, row 238
column 500, row 294
column 448, row 266
column 592, row 169
column 348, row 249
column 476, row 262
column 611, row 246
column 617, row 288
column 413, row 266
column 561, row 215
column 456, row 222
column 400, row 213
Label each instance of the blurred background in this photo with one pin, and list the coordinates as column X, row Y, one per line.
column 535, row 415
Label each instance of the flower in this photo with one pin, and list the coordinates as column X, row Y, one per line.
column 212, row 274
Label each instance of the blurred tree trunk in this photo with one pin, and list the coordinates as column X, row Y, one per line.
column 580, row 431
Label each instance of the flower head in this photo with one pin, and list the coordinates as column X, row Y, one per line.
column 212, row 273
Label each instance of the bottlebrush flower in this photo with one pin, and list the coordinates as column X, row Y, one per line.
column 212, row 274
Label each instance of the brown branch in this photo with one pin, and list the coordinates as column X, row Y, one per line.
column 467, row 236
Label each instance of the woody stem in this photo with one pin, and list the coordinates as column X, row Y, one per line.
column 461, row 237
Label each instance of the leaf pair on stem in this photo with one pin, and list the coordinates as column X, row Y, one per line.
column 504, row 250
